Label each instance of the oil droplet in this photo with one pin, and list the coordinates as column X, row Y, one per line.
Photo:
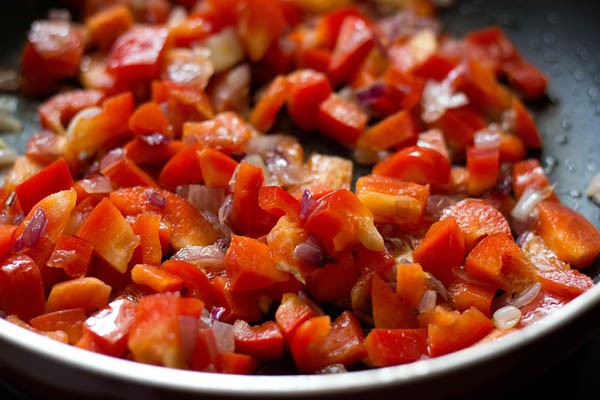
column 597, row 78
column 570, row 165
column 566, row 124
column 550, row 57
column 556, row 71
column 591, row 67
column 575, row 194
column 561, row 139
column 549, row 38
column 578, row 74
column 550, row 164
column 553, row 18
column 583, row 52
column 574, row 91
column 597, row 110
column 535, row 43
column 593, row 92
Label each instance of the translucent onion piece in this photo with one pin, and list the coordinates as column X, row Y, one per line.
column 211, row 255
column 428, row 301
column 526, row 295
column 224, row 336
column 96, row 184
column 507, row 317
column 439, row 97
column 33, row 231
column 593, row 189
column 528, row 201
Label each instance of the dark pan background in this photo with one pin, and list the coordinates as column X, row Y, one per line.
column 560, row 37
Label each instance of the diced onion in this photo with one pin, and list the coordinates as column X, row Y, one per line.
column 8, row 123
column 332, row 369
column 593, row 189
column 428, row 301
column 507, row 317
column 487, row 139
column 202, row 197
column 96, row 184
column 188, row 331
column 33, row 232
column 155, row 198
column 439, row 287
column 439, row 97
column 224, row 336
column 527, row 295
column 307, row 203
column 312, row 252
column 211, row 255
column 225, row 49
column 528, row 202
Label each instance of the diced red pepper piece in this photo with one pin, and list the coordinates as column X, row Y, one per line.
column 238, row 304
column 477, row 219
column 264, row 112
column 154, row 150
column 52, row 52
column 525, row 126
column 568, row 283
column 226, row 132
column 91, row 133
column 387, row 347
column 236, row 363
column 471, row 293
column 57, row 111
column 459, row 126
column 138, row 53
column 147, row 227
column 54, row 178
column 498, row 261
column 259, row 23
column 7, row 239
column 264, row 341
column 329, row 25
column 182, row 169
column 278, row 202
column 70, row 321
column 187, row 226
column 450, row 331
column 110, row 234
column 568, row 233
column 123, row 172
column 353, row 44
column 149, row 118
column 389, row 309
column 107, row 25
column 392, row 200
column 195, row 282
column 249, row 264
column 411, row 283
column 110, row 326
column 393, row 131
column 340, row 220
column 442, row 249
column 21, row 287
column 308, row 89
column 155, row 336
column 416, row 164
column 291, row 313
column 483, row 164
column 246, row 216
column 333, row 281
column 71, row 254
column 156, row 278
column 217, row 168
column 526, row 79
column 88, row 293
column 529, row 174
column 341, row 120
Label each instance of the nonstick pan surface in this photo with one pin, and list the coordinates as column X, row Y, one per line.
column 559, row 37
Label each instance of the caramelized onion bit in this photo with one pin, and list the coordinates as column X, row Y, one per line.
column 33, row 231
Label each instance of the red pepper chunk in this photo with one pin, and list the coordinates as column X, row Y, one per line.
column 69, row 321
column 392, row 131
column 570, row 236
column 387, row 347
column 53, row 51
column 450, row 331
column 442, row 250
column 21, row 287
column 72, row 254
column 308, row 89
column 340, row 220
column 498, row 261
column 249, row 264
column 138, row 53
column 54, row 178
column 182, row 169
column 156, row 278
column 483, row 165
column 259, row 23
column 390, row 311
column 264, row 341
column 568, row 283
column 319, row 343
column 417, row 164
column 291, row 313
column 264, row 112
column 57, row 111
column 341, row 120
column 110, row 326
column 354, row 42
column 106, row 229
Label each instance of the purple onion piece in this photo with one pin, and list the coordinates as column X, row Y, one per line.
column 216, row 313
column 368, row 96
column 155, row 198
column 111, row 157
column 33, row 231
column 312, row 252
column 307, row 203
column 155, row 139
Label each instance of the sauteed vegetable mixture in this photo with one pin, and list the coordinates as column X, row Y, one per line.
column 166, row 213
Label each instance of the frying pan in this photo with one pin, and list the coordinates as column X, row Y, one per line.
column 558, row 37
